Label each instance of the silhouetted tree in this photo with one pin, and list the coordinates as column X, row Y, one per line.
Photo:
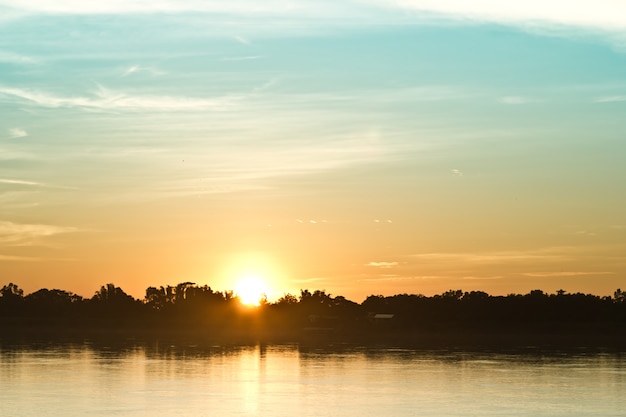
column 156, row 298
column 11, row 299
column 111, row 294
column 287, row 299
column 11, row 292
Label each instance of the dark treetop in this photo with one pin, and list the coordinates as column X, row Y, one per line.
column 188, row 310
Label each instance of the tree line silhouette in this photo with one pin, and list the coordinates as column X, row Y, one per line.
column 192, row 309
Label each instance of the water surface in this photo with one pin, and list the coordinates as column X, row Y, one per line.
column 172, row 380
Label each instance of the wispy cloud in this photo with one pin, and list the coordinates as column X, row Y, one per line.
column 13, row 58
column 598, row 14
column 601, row 14
column 247, row 7
column 242, row 40
column 15, row 258
column 241, row 58
column 135, row 69
column 584, row 233
column 18, row 234
column 382, row 264
column 485, row 278
column 26, row 183
column 604, row 17
column 564, row 274
column 235, row 169
column 16, row 133
column 514, row 100
column 19, row 258
column 496, row 257
column 457, row 173
column 610, row 99
column 389, row 277
column 106, row 99
column 19, row 182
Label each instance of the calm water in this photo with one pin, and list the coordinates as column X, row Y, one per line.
column 81, row 380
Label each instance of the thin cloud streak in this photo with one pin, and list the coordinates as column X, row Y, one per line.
column 139, row 69
column 249, row 172
column 14, row 258
column 19, row 234
column 610, row 99
column 241, row 58
column 513, row 100
column 401, row 278
column 486, row 278
column 382, row 264
column 106, row 99
column 548, row 254
column 13, row 58
column 20, row 182
column 242, row 40
column 564, row 274
column 33, row 184
column 19, row 258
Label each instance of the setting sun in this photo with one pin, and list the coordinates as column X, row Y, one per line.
column 251, row 290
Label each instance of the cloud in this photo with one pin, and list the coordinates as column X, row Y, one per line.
column 13, row 58
column 514, row 100
column 564, row 274
column 550, row 254
column 241, row 58
column 244, row 7
column 610, row 99
column 13, row 258
column 242, row 40
column 16, row 132
column 19, row 182
column 389, row 277
column 600, row 14
column 486, row 278
column 33, row 184
column 19, row 258
column 137, row 69
column 457, row 173
column 584, row 233
column 606, row 18
column 18, row 234
column 106, row 99
column 382, row 264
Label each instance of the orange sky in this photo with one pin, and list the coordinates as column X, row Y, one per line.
column 361, row 148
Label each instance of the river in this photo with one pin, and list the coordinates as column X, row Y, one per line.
column 287, row 380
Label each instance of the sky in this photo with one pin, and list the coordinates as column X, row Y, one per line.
column 356, row 146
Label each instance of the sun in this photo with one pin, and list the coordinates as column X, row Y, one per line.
column 251, row 290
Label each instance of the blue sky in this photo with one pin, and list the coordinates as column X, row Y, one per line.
column 361, row 147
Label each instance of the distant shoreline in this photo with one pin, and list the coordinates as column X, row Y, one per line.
column 200, row 315
column 610, row 338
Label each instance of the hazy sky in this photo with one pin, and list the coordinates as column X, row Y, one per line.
column 358, row 146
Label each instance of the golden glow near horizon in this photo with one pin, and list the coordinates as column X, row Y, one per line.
column 251, row 290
